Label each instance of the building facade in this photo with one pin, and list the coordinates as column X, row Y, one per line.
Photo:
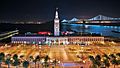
column 57, row 40
column 28, row 40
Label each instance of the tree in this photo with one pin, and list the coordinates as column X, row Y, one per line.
column 25, row 64
column 55, row 62
column 106, row 62
column 114, row 62
column 46, row 59
column 112, row 56
column 0, row 61
column 91, row 58
column 31, row 60
column 106, row 56
column 37, row 59
column 98, row 63
column 16, row 61
column 93, row 62
column 8, row 61
column 2, row 56
column 94, row 66
column 15, row 56
column 98, row 60
column 118, row 61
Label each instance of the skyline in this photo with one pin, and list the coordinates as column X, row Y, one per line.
column 44, row 10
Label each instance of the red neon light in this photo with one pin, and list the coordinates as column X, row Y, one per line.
column 44, row 33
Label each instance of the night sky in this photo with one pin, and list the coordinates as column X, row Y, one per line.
column 45, row 9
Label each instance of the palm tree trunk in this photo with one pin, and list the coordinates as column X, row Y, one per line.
column 0, row 64
column 16, row 66
column 35, row 64
column 114, row 66
column 8, row 65
column 30, row 65
column 38, row 64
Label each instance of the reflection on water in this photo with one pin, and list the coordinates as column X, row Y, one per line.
column 100, row 29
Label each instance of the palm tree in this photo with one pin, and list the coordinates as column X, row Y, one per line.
column 37, row 59
column 21, row 59
column 46, row 59
column 16, row 63
column 55, row 62
column 16, row 60
column 0, row 60
column 95, row 61
column 118, row 62
column 114, row 62
column 2, row 55
column 106, row 62
column 25, row 64
column 91, row 58
column 35, row 62
column 112, row 56
column 15, row 56
column 113, row 59
column 106, row 56
column 94, row 66
column 8, row 60
column 98, row 63
column 31, row 60
column 98, row 60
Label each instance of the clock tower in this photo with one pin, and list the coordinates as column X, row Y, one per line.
column 56, row 24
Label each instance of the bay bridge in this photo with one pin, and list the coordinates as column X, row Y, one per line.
column 96, row 19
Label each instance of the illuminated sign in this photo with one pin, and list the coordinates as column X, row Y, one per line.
column 44, row 33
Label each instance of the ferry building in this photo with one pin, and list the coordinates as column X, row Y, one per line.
column 57, row 38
